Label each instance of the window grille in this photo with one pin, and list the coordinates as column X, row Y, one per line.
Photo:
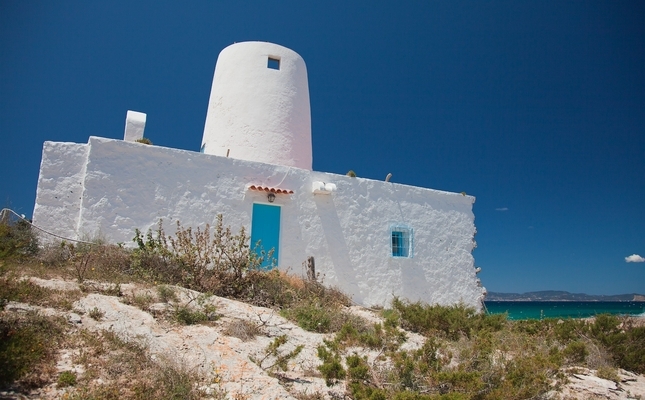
column 402, row 241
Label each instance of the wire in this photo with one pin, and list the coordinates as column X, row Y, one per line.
column 2, row 213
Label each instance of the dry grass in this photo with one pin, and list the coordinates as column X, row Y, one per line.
column 242, row 329
column 118, row 369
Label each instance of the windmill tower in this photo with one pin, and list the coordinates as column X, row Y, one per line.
column 259, row 106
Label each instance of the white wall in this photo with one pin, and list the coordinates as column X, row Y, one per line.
column 60, row 187
column 131, row 185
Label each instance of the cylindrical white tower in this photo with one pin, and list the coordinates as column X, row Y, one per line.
column 259, row 106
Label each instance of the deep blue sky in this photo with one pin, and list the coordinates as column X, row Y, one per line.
column 536, row 108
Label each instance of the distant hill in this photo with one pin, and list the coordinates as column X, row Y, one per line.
column 555, row 295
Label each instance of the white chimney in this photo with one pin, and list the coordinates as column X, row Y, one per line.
column 135, row 123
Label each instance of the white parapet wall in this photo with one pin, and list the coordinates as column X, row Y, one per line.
column 348, row 230
column 60, row 187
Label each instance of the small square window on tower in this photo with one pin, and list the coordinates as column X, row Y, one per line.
column 273, row 63
column 401, row 241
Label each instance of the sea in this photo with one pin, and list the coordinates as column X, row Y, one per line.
column 517, row 310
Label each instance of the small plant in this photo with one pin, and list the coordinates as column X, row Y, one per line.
column 96, row 314
column 186, row 316
column 66, row 378
column 142, row 300
column 144, row 140
column 351, row 174
column 166, row 293
column 81, row 255
column 331, row 368
column 273, row 357
column 310, row 317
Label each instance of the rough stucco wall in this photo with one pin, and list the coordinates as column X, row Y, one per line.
column 131, row 185
column 258, row 113
column 60, row 187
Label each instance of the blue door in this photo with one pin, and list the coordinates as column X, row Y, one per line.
column 265, row 229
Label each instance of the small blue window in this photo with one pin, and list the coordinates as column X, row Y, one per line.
column 401, row 241
column 273, row 63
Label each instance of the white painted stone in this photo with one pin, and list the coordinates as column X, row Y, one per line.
column 135, row 124
column 127, row 186
column 323, row 188
column 257, row 113
column 60, row 187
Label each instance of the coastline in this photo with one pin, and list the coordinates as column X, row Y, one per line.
column 517, row 310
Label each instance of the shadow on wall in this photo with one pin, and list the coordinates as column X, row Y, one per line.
column 338, row 250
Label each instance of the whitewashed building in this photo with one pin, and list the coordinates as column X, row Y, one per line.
column 373, row 239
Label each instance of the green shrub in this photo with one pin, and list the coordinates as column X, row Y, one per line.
column 625, row 343
column 331, row 368
column 356, row 332
column 28, row 344
column 357, row 368
column 17, row 240
column 166, row 293
column 627, row 348
column 186, row 316
column 66, row 378
column 275, row 358
column 310, row 317
column 569, row 329
column 576, row 352
column 451, row 321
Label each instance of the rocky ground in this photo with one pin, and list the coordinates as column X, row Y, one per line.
column 234, row 364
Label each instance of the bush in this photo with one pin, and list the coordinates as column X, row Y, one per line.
column 166, row 293
column 310, row 317
column 274, row 357
column 17, row 240
column 331, row 368
column 66, row 378
column 576, row 352
column 28, row 347
column 625, row 343
column 451, row 321
column 206, row 260
column 186, row 316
